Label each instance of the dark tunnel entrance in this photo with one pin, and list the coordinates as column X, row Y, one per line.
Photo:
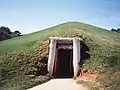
column 63, row 64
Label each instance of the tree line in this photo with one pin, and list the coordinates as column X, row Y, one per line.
column 115, row 30
column 6, row 33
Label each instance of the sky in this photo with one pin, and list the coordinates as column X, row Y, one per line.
column 29, row 16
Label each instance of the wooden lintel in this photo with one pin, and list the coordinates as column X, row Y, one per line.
column 65, row 38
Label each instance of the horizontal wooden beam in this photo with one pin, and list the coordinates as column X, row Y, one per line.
column 65, row 38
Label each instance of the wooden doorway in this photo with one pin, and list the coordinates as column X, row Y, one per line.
column 63, row 66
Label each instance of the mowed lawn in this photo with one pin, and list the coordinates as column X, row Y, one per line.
column 26, row 41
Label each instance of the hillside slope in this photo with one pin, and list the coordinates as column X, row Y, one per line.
column 19, row 55
column 29, row 40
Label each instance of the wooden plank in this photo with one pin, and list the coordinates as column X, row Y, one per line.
column 76, row 56
column 51, row 57
column 64, row 38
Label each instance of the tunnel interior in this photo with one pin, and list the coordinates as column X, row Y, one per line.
column 63, row 64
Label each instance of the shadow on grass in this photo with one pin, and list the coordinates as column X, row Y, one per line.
column 84, row 49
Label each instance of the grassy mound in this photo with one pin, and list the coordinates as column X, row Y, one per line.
column 22, row 59
column 24, row 69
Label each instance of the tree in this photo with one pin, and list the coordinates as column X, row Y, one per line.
column 5, row 30
column 113, row 29
column 17, row 33
column 5, row 33
column 118, row 30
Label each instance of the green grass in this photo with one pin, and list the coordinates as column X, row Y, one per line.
column 18, row 55
column 90, row 85
column 23, row 42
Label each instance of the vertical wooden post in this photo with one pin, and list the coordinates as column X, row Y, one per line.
column 76, row 56
column 51, row 57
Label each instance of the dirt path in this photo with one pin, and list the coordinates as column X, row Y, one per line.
column 59, row 84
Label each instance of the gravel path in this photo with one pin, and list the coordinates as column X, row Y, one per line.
column 59, row 84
